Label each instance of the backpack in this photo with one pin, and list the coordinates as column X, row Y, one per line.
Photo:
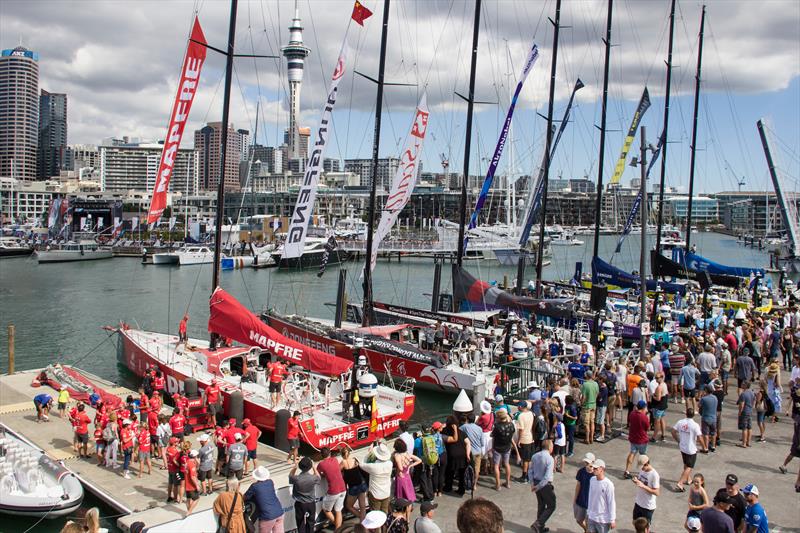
column 108, row 434
column 429, row 454
column 469, row 478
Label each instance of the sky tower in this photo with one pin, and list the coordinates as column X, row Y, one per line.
column 295, row 53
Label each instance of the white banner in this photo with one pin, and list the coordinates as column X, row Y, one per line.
column 172, row 221
column 298, row 225
column 134, row 223
column 405, row 178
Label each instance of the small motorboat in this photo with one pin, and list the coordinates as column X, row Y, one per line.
column 33, row 484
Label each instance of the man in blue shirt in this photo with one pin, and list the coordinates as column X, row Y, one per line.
column 576, row 370
column 755, row 518
column 43, row 402
column 689, row 376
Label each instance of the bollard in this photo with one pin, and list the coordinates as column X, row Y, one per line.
column 11, row 331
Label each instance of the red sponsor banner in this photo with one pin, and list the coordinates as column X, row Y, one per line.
column 190, row 76
column 231, row 319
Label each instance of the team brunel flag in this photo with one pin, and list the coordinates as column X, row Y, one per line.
column 187, row 88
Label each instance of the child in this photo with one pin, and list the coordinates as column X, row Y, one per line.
column 570, row 422
column 698, row 499
column 559, row 443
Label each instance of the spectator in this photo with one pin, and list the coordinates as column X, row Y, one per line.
column 714, row 519
column 698, row 498
column 401, row 514
column 333, row 501
column 479, row 515
column 438, row 470
column 738, row 503
column 589, row 393
column 356, row 485
column 424, row 523
column 755, row 518
column 708, row 419
column 660, row 406
column 474, row 434
column 602, row 510
column 458, row 454
column 229, row 509
column 503, row 443
column 685, row 432
column 746, row 403
column 638, row 424
column 648, row 487
column 373, row 521
column 602, row 407
column 541, row 479
column 689, row 376
column 794, row 446
column 524, row 425
column 405, row 436
column 676, row 363
column 640, row 525
column 706, row 363
column 580, row 501
column 745, row 370
column 570, row 423
column 304, row 489
column 380, row 477
column 268, row 508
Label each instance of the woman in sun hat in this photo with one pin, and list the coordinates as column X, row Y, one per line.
column 774, row 388
column 374, row 520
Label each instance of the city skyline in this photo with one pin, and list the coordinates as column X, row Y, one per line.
column 751, row 67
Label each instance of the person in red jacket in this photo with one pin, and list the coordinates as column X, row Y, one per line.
column 144, row 404
column 251, row 435
column 159, row 383
column 293, row 436
column 145, row 445
column 152, row 428
column 127, row 439
column 175, row 478
column 177, row 423
column 212, row 402
column 81, row 423
column 222, row 448
column 192, row 482
column 156, row 402
column 276, row 372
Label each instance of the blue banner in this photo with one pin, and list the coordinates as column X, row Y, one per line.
column 501, row 142
column 535, row 197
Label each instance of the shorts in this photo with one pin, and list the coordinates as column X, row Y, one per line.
column 525, row 451
column 597, row 527
column 99, row 446
column 237, row 473
column 82, row 438
column 559, row 450
column 355, row 490
column 641, row 449
column 62, row 406
column 724, row 374
column 274, row 387
column 675, row 379
column 221, row 450
column 689, row 460
column 294, row 443
column 587, row 415
column 178, row 436
column 154, row 440
column 579, row 512
column 192, row 495
column 212, row 409
column 203, row 475
column 600, row 415
column 708, row 428
column 745, row 422
column 144, row 455
column 689, row 393
column 761, row 416
column 333, row 502
column 641, row 512
column 500, row 458
column 251, row 454
column 477, row 459
column 659, row 413
column 175, row 478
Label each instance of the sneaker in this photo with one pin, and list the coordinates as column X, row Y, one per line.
column 683, row 401
column 626, row 475
column 600, row 439
column 570, row 454
column 127, row 475
column 782, row 469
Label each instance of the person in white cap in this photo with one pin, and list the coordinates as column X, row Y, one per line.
column 755, row 517
column 602, row 510
column 206, row 464
column 380, row 478
column 535, row 397
column 580, row 502
column 374, row 520
column 486, row 422
column 192, row 482
column 236, row 455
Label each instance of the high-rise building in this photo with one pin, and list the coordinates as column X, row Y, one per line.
column 207, row 142
column 83, row 156
column 134, row 167
column 303, row 138
column 266, row 159
column 295, row 53
column 19, row 112
column 52, row 153
column 329, row 164
column 386, row 169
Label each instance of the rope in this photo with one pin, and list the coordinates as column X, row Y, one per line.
column 90, row 352
column 42, row 518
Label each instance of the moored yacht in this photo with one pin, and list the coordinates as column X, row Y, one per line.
column 73, row 251
column 14, row 247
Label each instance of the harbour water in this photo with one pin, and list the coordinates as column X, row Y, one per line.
column 59, row 309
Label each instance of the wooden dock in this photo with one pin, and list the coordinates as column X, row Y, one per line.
column 138, row 499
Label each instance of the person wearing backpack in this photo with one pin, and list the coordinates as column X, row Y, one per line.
column 441, row 465
column 425, row 449
column 475, row 435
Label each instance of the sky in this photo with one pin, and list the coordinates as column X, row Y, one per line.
column 119, row 61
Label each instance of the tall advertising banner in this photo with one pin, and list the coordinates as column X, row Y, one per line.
column 533, row 55
column 405, row 178
column 298, row 225
column 187, row 88
column 644, row 104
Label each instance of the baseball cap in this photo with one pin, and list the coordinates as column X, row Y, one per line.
column 731, row 479
column 522, row 405
column 427, row 507
column 194, row 453
column 750, row 489
column 238, row 436
column 643, row 460
column 722, row 496
column 232, row 421
column 437, row 425
column 588, row 458
column 642, row 404
column 203, row 438
column 693, row 523
column 599, row 463
column 246, row 421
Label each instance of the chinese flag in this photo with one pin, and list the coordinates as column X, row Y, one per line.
column 360, row 13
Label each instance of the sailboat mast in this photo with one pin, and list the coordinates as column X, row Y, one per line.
column 366, row 319
column 468, row 140
column 225, row 112
column 598, row 204
column 694, row 131
column 548, row 143
column 664, row 133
